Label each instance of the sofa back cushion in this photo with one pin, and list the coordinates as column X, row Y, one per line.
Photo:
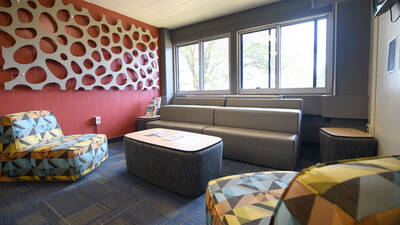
column 218, row 101
column 265, row 103
column 187, row 113
column 279, row 120
column 21, row 131
column 358, row 191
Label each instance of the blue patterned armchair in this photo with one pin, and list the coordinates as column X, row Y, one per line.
column 33, row 148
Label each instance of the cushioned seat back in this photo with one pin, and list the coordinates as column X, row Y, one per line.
column 189, row 114
column 265, row 103
column 199, row 101
column 354, row 192
column 21, row 131
column 279, row 120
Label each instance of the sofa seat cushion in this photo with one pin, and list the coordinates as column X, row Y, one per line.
column 246, row 198
column 348, row 192
column 190, row 127
column 272, row 149
column 61, row 159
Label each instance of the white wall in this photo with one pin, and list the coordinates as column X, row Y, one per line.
column 387, row 107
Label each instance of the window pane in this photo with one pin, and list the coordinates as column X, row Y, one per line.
column 297, row 55
column 258, row 59
column 188, row 67
column 321, row 52
column 216, row 64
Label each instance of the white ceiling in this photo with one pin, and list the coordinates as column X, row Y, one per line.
column 177, row 13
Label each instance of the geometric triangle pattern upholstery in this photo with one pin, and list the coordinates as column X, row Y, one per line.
column 246, row 198
column 348, row 192
column 33, row 148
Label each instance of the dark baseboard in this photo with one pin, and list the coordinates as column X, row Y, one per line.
column 115, row 139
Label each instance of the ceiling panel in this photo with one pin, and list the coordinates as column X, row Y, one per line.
column 177, row 13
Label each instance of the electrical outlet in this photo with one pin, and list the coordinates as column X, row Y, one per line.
column 97, row 120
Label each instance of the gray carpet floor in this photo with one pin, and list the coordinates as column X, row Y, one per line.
column 109, row 195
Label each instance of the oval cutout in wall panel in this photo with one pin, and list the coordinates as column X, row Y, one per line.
column 92, row 44
column 5, row 19
column 47, row 45
column 106, row 54
column 105, row 28
column 132, row 74
column 63, row 56
column 76, row 68
column 135, row 35
column 24, row 16
column 143, row 60
column 88, row 80
column 26, row 33
column 63, row 15
column 73, row 31
column 116, row 65
column 116, row 49
column 145, row 38
column 25, row 55
column 5, row 3
column 105, row 41
column 93, row 31
column 81, row 20
column 127, row 42
column 78, row 49
column 57, row 69
column 62, row 39
column 121, row 79
column 96, row 56
column 47, row 23
column 115, row 38
column 47, row 3
column 128, row 58
column 36, row 75
column 152, row 46
column 107, row 79
column 100, row 70
column 32, row 4
column 88, row 64
column 142, row 47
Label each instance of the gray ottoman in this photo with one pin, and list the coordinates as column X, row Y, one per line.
column 346, row 143
column 183, row 166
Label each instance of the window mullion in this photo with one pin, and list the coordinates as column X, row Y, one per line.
column 201, row 66
column 278, row 58
column 269, row 58
column 315, row 53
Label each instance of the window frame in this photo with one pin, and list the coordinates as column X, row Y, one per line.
column 200, row 43
column 281, row 91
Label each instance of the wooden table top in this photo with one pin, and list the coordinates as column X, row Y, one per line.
column 187, row 141
column 346, row 132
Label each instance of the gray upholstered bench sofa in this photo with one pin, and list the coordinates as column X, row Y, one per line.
column 267, row 134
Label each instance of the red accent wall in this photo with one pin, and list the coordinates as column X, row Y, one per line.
column 75, row 109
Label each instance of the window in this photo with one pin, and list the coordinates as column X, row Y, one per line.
column 203, row 66
column 258, row 59
column 286, row 58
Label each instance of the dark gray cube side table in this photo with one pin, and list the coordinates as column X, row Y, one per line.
column 346, row 143
column 141, row 122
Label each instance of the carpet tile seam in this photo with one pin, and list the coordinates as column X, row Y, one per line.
column 121, row 212
column 56, row 212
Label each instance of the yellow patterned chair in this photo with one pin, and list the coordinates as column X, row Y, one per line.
column 33, row 148
column 348, row 192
